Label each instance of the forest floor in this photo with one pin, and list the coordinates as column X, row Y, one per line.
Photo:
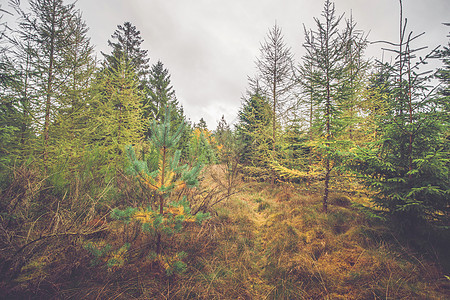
column 263, row 242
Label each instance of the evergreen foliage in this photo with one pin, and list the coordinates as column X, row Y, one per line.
column 254, row 131
column 161, row 91
column 102, row 179
column 165, row 174
column 10, row 114
column 408, row 166
column 326, row 56
column 202, row 146
column 49, row 29
column 126, row 47
column 225, row 140
column 115, row 113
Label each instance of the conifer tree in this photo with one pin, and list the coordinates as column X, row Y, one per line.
column 325, row 54
column 294, row 145
column 162, row 176
column 275, row 74
column 48, row 30
column 20, row 53
column 126, row 46
column 443, row 75
column 408, row 166
column 70, row 126
column 201, row 124
column 306, row 78
column 116, row 112
column 254, row 130
column 9, row 112
column 355, row 72
column 10, row 115
column 80, row 68
column 202, row 145
column 224, row 138
column 161, row 91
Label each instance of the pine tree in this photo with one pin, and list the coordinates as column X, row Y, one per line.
column 166, row 175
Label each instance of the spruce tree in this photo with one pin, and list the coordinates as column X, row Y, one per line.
column 126, row 46
column 443, row 75
column 202, row 145
column 306, row 76
column 70, row 125
column 355, row 72
column 21, row 50
column 201, row 124
column 9, row 110
column 10, row 115
column 254, row 131
column 408, row 166
column 224, row 138
column 161, row 91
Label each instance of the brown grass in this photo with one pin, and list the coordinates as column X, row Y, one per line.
column 265, row 242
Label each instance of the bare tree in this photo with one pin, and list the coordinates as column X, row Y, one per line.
column 275, row 75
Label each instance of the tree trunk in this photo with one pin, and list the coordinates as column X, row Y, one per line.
column 49, row 92
column 327, row 183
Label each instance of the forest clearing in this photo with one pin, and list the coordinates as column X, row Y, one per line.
column 264, row 242
column 331, row 183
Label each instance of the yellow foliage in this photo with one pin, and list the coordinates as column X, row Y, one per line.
column 293, row 174
column 155, row 184
column 118, row 258
column 165, row 260
column 143, row 216
column 175, row 210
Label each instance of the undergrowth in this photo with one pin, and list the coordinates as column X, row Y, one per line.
column 265, row 242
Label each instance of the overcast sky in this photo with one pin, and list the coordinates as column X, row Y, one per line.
column 210, row 46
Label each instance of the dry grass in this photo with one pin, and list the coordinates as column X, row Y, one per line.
column 265, row 242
